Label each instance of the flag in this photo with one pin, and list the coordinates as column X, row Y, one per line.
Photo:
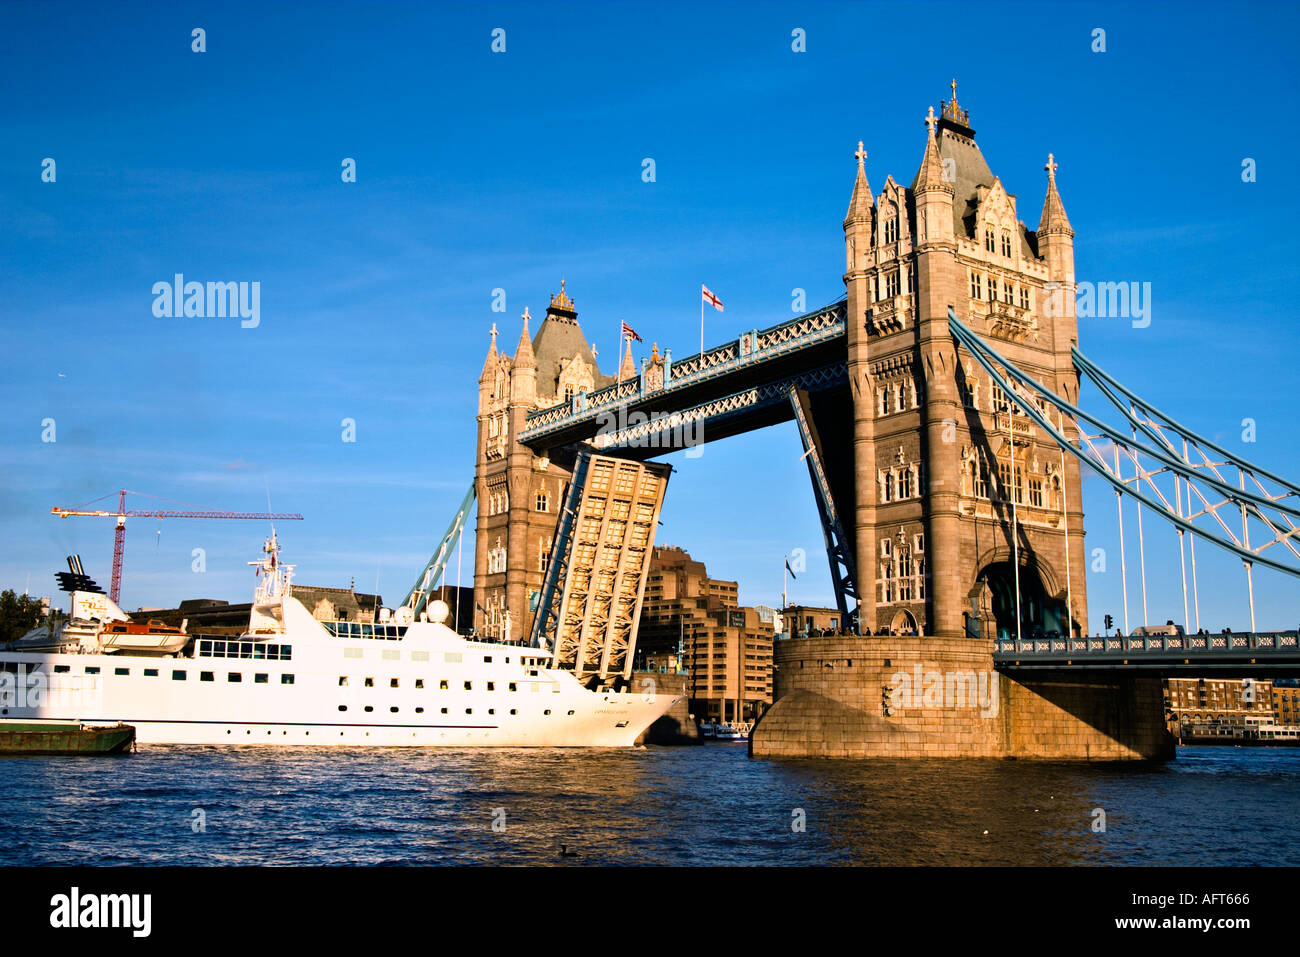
column 790, row 570
column 630, row 333
column 710, row 297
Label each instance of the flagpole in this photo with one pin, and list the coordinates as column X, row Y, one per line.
column 701, row 369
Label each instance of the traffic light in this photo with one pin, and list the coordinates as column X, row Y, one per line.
column 1110, row 622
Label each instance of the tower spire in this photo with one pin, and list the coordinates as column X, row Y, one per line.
column 489, row 364
column 931, row 174
column 524, row 358
column 1053, row 219
column 861, row 202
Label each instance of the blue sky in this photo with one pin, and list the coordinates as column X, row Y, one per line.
column 479, row 170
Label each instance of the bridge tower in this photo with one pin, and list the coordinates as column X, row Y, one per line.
column 944, row 469
column 520, row 492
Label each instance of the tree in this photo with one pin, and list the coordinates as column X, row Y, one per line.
column 19, row 614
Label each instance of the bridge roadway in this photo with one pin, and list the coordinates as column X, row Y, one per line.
column 736, row 387
column 1234, row 654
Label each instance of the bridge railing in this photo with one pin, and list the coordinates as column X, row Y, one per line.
column 755, row 345
column 1222, row 643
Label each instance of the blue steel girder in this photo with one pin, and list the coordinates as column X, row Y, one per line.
column 692, row 380
column 691, row 426
column 428, row 579
column 1229, row 652
column 839, row 550
column 547, row 620
column 1276, row 512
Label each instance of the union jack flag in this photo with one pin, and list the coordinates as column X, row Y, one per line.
column 630, row 333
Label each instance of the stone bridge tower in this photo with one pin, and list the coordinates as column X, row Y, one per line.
column 940, row 459
column 520, row 493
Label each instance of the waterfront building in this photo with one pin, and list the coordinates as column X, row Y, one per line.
column 1228, row 703
column 691, row 620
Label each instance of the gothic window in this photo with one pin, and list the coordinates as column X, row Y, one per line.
column 891, row 285
column 1006, row 292
column 1000, row 401
column 1056, row 492
column 976, row 286
column 920, row 578
column 900, row 395
column 906, row 483
column 1024, row 297
column 889, row 486
column 979, row 476
column 1006, row 243
column 886, row 582
column 543, row 554
column 568, row 393
column 904, row 575
column 492, row 426
column 1035, row 491
column 993, row 289
column 891, row 229
column 988, row 240
column 543, row 503
column 911, row 280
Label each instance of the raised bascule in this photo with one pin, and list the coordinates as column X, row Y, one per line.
column 938, row 408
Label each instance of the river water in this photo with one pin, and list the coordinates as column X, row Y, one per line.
column 709, row 804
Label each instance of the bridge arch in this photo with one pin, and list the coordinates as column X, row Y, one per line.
column 993, row 597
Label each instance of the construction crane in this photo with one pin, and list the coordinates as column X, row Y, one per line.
column 123, row 513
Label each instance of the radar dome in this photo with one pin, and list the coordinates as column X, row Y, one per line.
column 439, row 610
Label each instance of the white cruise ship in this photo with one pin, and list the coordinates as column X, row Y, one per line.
column 293, row 680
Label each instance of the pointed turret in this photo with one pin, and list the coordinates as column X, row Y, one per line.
column 524, row 379
column 627, row 370
column 859, row 223
column 490, row 363
column 1054, row 222
column 861, row 202
column 934, row 189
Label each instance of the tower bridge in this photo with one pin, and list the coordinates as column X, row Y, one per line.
column 938, row 407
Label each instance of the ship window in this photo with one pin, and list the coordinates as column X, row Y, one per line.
column 94, row 670
column 286, row 679
column 369, row 708
column 259, row 679
column 148, row 672
column 178, row 676
column 469, row 710
column 487, row 659
column 547, row 711
column 343, row 707
column 343, row 681
column 469, row 686
column 391, row 655
column 442, row 685
column 419, row 711
column 514, row 710
column 419, row 682
column 492, row 710
column 121, row 671
column 234, row 676
column 393, row 710
column 513, row 687
column 205, row 675
column 419, row 656
column 351, row 652
column 452, row 657
column 492, row 686
column 370, row 682
column 570, row 712
column 63, row 670
column 444, row 710
column 392, row 682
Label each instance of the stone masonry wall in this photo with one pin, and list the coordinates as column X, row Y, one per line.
column 946, row 700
